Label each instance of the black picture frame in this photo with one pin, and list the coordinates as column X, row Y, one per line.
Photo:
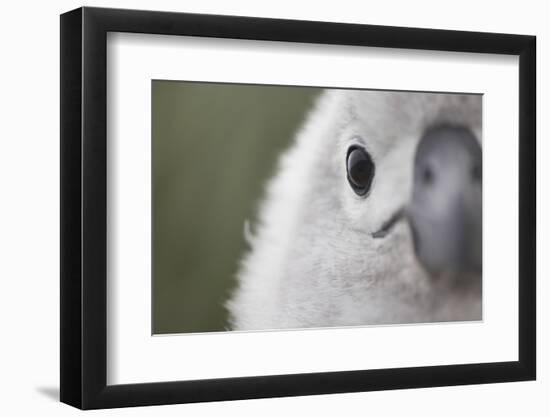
column 84, row 207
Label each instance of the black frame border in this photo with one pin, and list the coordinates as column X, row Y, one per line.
column 83, row 122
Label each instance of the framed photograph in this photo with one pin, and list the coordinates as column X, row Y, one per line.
column 257, row 208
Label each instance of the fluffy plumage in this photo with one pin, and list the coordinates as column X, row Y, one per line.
column 313, row 261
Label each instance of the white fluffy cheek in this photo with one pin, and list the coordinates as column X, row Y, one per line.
column 390, row 191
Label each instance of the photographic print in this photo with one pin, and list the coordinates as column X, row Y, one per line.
column 282, row 207
column 330, row 194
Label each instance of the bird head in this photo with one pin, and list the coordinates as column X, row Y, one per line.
column 403, row 187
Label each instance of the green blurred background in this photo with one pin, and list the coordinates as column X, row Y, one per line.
column 214, row 147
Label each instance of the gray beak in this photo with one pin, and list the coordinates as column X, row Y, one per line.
column 445, row 211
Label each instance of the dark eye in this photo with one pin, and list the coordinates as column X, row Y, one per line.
column 360, row 170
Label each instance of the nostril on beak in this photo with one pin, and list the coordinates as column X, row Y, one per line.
column 476, row 173
column 428, row 176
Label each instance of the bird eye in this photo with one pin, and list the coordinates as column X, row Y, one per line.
column 360, row 170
